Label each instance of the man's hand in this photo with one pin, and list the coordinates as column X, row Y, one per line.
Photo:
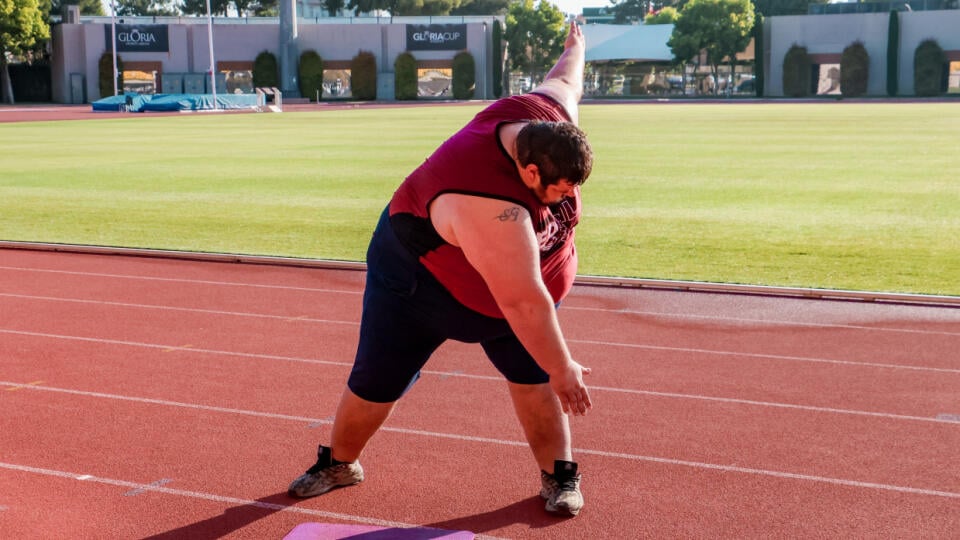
column 574, row 37
column 569, row 387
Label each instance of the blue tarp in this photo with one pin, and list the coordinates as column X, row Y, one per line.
column 174, row 102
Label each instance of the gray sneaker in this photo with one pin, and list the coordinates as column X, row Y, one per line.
column 325, row 475
column 562, row 488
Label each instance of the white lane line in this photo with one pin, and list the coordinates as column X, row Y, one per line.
column 134, row 486
column 763, row 356
column 175, row 308
column 765, row 322
column 360, row 292
column 184, row 280
column 522, row 444
column 460, row 374
column 584, row 341
column 165, row 347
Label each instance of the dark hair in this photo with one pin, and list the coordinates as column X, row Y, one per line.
column 558, row 149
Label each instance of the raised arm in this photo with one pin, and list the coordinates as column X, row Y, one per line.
column 564, row 82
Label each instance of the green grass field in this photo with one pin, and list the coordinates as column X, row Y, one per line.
column 862, row 196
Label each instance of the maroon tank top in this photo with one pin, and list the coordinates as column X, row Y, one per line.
column 473, row 162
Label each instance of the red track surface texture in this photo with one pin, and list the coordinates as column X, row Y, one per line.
column 160, row 398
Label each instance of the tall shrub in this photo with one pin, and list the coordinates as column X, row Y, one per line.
column 758, row 53
column 893, row 52
column 854, row 70
column 928, row 69
column 405, row 77
column 363, row 76
column 105, row 74
column 310, row 75
column 497, row 59
column 266, row 73
column 464, row 75
column 796, row 72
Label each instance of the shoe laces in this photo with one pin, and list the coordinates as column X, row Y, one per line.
column 569, row 483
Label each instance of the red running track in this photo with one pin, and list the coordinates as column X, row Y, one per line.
column 148, row 397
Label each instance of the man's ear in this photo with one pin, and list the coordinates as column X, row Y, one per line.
column 531, row 175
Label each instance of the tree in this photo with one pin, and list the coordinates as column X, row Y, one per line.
column 535, row 37
column 404, row 7
column 57, row 7
column 637, row 11
column 199, row 7
column 146, row 7
column 630, row 11
column 481, row 7
column 667, row 15
column 21, row 28
column 334, row 6
column 771, row 8
column 721, row 28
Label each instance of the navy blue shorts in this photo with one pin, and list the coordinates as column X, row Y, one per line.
column 407, row 314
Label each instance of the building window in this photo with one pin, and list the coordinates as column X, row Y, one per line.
column 238, row 81
column 434, row 82
column 828, row 82
column 140, row 82
column 336, row 83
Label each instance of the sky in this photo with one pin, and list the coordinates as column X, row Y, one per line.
column 576, row 6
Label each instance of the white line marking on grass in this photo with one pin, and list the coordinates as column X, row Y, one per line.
column 522, row 444
column 185, row 280
column 175, row 308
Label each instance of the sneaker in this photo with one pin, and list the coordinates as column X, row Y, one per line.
column 325, row 475
column 562, row 488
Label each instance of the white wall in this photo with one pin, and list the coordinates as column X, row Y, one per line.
column 832, row 33
column 77, row 48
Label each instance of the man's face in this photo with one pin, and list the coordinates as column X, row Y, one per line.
column 554, row 193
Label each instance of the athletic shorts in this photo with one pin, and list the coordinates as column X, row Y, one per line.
column 407, row 314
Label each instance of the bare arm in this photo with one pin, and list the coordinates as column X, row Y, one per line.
column 497, row 238
column 564, row 82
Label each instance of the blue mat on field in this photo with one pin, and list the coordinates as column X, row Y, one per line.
column 174, row 102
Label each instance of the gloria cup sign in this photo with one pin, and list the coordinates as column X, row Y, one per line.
column 140, row 37
column 436, row 37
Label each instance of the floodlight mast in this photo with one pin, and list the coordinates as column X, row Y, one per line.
column 213, row 72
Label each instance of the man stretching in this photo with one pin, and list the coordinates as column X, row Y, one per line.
column 477, row 245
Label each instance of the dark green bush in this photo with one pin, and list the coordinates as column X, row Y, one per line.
column 497, row 59
column 106, row 74
column 928, row 69
column 854, row 70
column 310, row 75
column 464, row 75
column 265, row 71
column 363, row 76
column 893, row 52
column 758, row 75
column 405, row 77
column 796, row 72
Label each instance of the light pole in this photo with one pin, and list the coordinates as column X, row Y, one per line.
column 213, row 64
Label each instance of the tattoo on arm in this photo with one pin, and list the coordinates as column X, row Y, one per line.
column 510, row 214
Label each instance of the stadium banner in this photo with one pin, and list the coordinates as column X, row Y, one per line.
column 140, row 37
column 436, row 37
